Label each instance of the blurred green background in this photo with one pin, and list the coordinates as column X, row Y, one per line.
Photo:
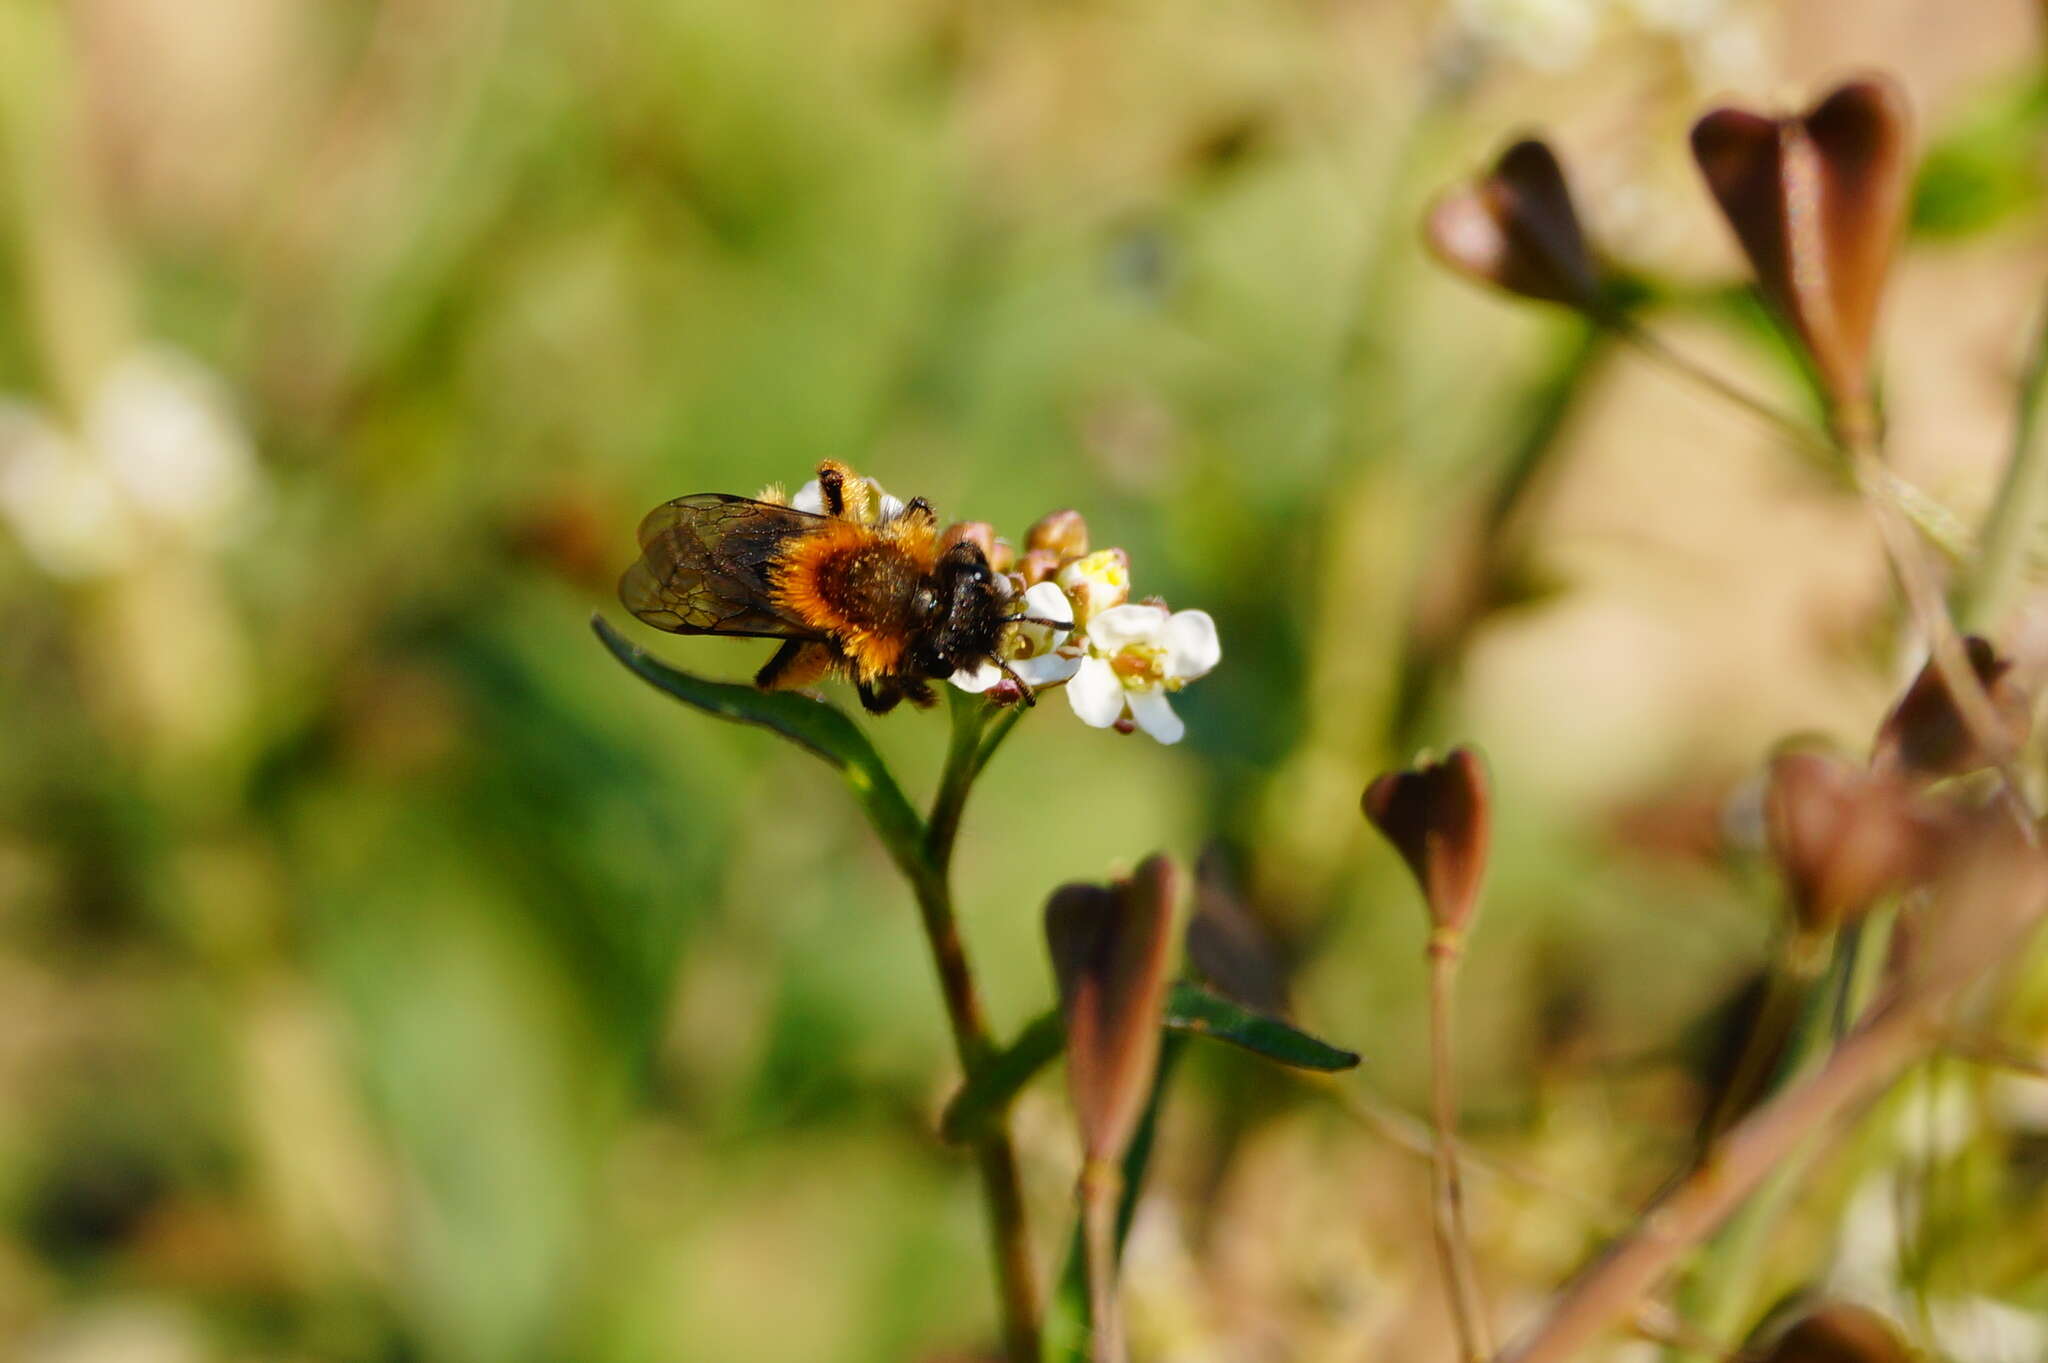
column 385, row 975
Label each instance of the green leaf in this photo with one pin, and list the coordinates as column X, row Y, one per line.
column 821, row 729
column 1191, row 1010
column 1196, row 1011
column 998, row 1079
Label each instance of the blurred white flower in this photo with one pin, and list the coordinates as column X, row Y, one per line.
column 1550, row 35
column 62, row 504
column 1137, row 655
column 160, row 453
column 1036, row 654
column 166, row 429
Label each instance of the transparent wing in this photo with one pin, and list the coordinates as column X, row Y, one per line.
column 704, row 566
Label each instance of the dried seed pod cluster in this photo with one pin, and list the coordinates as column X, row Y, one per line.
column 1816, row 201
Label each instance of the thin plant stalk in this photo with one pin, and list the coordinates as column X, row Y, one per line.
column 1856, row 432
column 2022, row 501
column 1791, row 977
column 1610, row 1290
column 1654, row 347
column 1453, row 1241
column 929, row 868
column 1723, row 1286
column 1101, row 1191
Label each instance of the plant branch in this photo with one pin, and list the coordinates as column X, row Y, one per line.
column 1855, row 431
column 1984, row 929
column 2022, row 502
column 928, row 866
column 1453, row 1242
column 1654, row 347
column 1101, row 1194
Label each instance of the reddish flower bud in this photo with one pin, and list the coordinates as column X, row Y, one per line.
column 1038, row 565
column 1838, row 1332
column 1438, row 818
column 1844, row 837
column 1816, row 202
column 1109, row 954
column 1925, row 738
column 979, row 533
column 1065, row 533
column 1515, row 228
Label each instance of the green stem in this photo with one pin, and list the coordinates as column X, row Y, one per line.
column 1719, row 1299
column 2021, row 505
column 1101, row 1193
column 928, row 866
column 1453, row 1240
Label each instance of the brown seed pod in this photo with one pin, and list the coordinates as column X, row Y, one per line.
column 1924, row 737
column 1439, row 819
column 1844, row 837
column 1816, row 201
column 1838, row 1332
column 1109, row 954
column 1516, row 229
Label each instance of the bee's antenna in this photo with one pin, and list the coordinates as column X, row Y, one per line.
column 1041, row 620
column 1008, row 671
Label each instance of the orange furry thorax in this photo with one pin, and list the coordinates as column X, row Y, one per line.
column 855, row 584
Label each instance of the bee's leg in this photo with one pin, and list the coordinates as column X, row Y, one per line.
column 920, row 695
column 920, row 508
column 1024, row 691
column 832, row 487
column 778, row 666
column 878, row 700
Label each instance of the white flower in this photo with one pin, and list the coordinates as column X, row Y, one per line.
column 62, row 504
column 166, row 429
column 1136, row 656
column 865, row 498
column 1549, row 35
column 1038, row 654
column 160, row 453
column 1096, row 583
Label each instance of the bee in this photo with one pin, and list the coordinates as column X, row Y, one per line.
column 882, row 600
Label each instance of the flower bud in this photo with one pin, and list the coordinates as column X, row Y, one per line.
column 979, row 533
column 1065, row 533
column 1816, row 202
column 1038, row 565
column 1516, row 229
column 1437, row 815
column 1109, row 954
column 1843, row 837
column 1837, row 1332
column 1925, row 737
column 1096, row 583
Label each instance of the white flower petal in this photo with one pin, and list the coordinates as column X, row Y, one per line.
column 1095, row 694
column 891, row 507
column 976, row 680
column 1048, row 669
column 1192, row 647
column 1155, row 715
column 167, row 431
column 1048, row 602
column 810, row 497
column 1121, row 626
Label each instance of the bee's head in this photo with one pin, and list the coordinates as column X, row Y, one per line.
column 961, row 605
